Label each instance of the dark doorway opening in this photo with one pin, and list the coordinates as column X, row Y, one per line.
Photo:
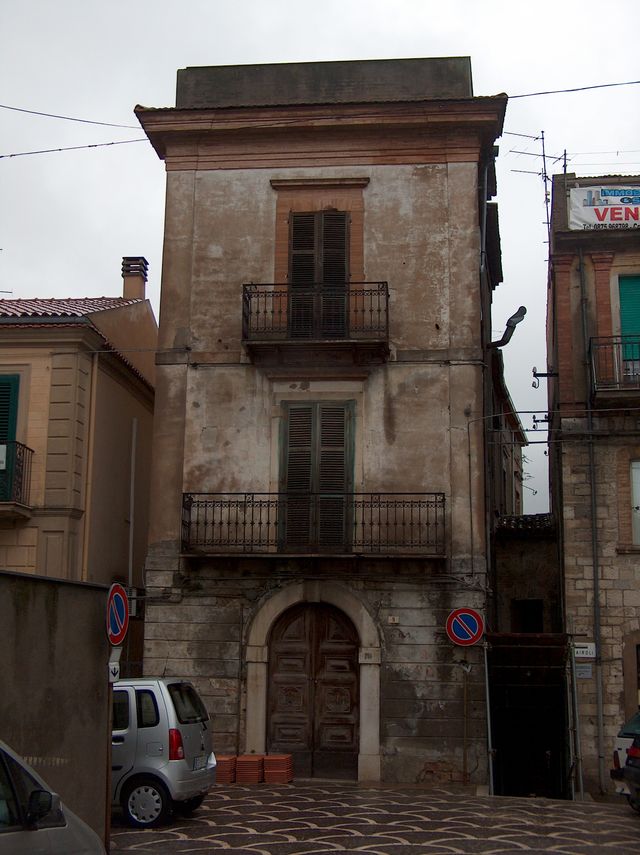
column 314, row 691
column 527, row 684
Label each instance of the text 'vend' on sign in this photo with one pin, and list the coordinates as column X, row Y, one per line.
column 465, row 626
column 117, row 614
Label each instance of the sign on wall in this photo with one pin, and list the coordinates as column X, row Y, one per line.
column 604, row 207
column 465, row 626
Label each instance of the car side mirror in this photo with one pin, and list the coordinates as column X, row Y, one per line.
column 41, row 802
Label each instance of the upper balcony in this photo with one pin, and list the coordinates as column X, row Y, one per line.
column 15, row 480
column 615, row 367
column 337, row 323
column 342, row 524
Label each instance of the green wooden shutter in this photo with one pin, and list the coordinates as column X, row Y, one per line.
column 297, row 474
column 630, row 316
column 9, row 386
column 333, row 476
column 317, row 475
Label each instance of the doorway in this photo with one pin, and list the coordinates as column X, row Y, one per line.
column 312, row 710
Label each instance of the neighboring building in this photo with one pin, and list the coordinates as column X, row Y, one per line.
column 320, row 487
column 76, row 413
column 593, row 332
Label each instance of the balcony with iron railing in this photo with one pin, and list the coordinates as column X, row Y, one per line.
column 280, row 321
column 378, row 524
column 615, row 367
column 15, row 480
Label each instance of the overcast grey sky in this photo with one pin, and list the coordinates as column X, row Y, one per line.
column 67, row 218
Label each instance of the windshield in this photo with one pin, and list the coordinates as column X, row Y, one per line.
column 189, row 708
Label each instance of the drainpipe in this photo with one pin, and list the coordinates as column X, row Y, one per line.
column 132, row 496
column 88, row 486
column 597, row 631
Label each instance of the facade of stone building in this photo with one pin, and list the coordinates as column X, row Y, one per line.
column 323, row 405
column 593, row 333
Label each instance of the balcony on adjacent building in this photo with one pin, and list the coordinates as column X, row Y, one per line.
column 283, row 323
column 374, row 524
column 615, row 368
column 15, row 480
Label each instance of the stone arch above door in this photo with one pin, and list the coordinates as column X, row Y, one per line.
column 257, row 657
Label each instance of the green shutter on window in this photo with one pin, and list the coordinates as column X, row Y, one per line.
column 9, row 385
column 317, row 474
column 630, row 316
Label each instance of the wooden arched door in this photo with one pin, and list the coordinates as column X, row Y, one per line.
column 313, row 691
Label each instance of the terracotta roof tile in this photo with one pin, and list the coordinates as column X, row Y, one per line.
column 71, row 307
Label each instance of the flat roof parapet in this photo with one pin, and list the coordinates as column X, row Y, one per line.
column 349, row 82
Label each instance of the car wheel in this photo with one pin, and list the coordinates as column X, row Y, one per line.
column 634, row 802
column 188, row 806
column 145, row 802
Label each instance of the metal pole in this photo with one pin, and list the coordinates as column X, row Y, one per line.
column 576, row 719
column 489, row 739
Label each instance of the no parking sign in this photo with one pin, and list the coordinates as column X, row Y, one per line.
column 117, row 614
column 465, row 626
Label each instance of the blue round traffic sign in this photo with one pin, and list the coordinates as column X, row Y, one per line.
column 117, row 614
column 465, row 626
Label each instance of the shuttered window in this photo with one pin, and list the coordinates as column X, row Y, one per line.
column 9, row 385
column 317, row 475
column 318, row 274
column 630, row 317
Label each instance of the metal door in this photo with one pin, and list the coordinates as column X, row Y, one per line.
column 313, row 691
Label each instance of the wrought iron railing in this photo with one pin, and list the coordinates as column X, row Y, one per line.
column 615, row 363
column 15, row 472
column 371, row 523
column 354, row 311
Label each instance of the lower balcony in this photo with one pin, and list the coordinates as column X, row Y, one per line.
column 395, row 524
column 15, row 480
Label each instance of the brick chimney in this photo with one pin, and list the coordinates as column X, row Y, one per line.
column 134, row 277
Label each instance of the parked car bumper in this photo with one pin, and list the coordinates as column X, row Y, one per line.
column 631, row 778
column 184, row 783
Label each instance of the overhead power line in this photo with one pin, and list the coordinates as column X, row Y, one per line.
column 575, row 89
column 67, row 118
column 71, row 148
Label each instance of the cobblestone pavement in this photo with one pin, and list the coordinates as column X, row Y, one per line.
column 313, row 819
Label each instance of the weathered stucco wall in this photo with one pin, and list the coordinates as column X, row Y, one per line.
column 54, row 711
column 422, row 711
column 221, row 234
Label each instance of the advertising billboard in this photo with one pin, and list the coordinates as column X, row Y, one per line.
column 604, row 207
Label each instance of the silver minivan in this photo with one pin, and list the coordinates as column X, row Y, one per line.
column 32, row 818
column 162, row 756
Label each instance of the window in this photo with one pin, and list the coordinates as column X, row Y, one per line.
column 147, row 709
column 188, row 706
column 25, row 784
column 9, row 817
column 317, row 475
column 9, row 385
column 120, row 710
column 635, row 502
column 318, row 274
column 629, row 289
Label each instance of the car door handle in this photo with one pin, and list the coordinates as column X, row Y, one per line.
column 117, row 740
